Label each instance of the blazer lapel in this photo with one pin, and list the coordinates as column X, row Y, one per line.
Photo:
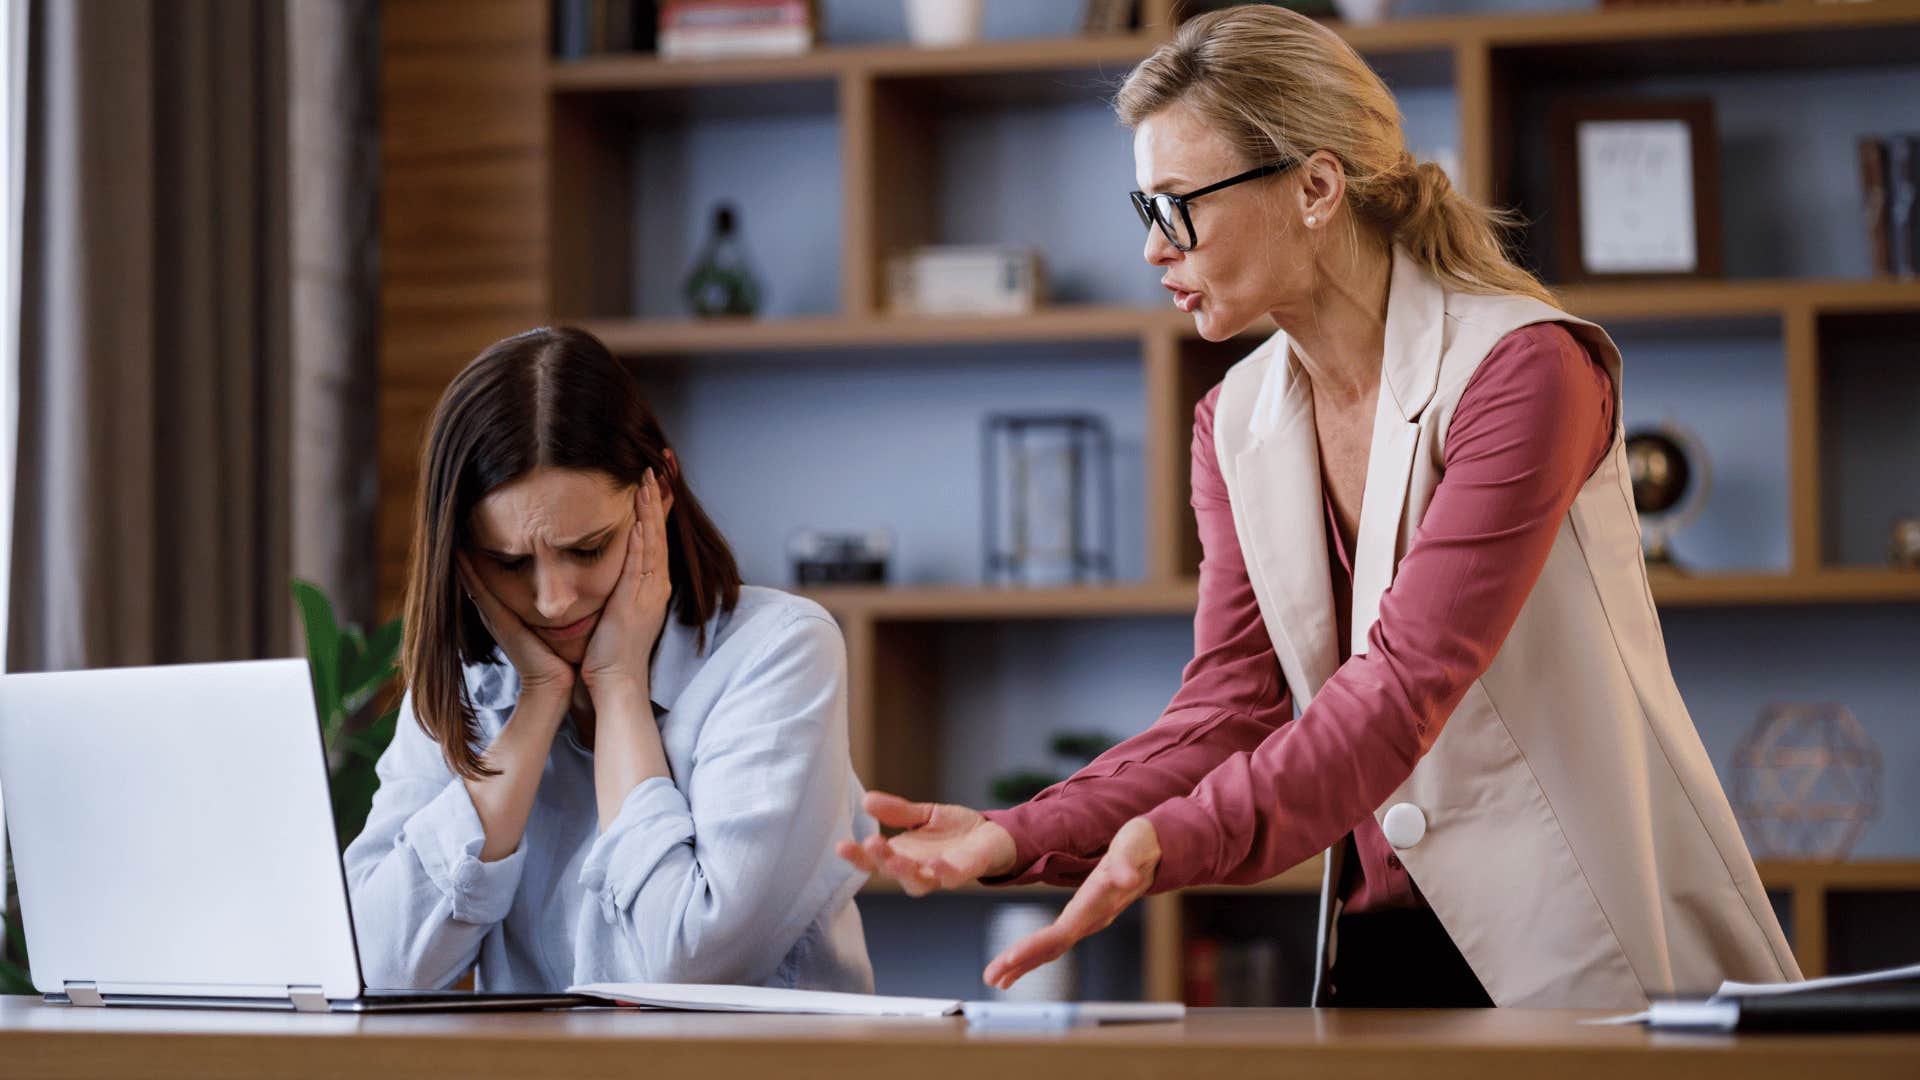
column 1410, row 371
column 1283, row 528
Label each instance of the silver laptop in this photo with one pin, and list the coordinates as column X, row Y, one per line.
column 174, row 843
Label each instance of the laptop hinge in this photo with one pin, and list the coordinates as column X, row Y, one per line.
column 84, row 993
column 307, row 999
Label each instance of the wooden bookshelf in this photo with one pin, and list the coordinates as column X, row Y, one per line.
column 956, row 603
column 1689, row 302
column 506, row 186
column 1797, row 31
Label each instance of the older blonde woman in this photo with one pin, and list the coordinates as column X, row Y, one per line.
column 1419, row 531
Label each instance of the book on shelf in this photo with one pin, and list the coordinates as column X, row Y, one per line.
column 1236, row 974
column 1106, row 16
column 1890, row 202
column 1903, row 204
column 596, row 27
column 1873, row 201
column 708, row 29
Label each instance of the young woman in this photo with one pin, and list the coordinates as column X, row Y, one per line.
column 1418, row 528
column 614, row 762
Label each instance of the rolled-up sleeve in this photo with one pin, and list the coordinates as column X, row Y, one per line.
column 1534, row 422
column 422, row 899
column 714, row 878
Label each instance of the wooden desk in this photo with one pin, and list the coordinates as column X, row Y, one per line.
column 55, row 1041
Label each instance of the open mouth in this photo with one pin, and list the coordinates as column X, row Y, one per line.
column 1188, row 302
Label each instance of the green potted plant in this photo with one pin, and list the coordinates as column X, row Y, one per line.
column 14, row 977
column 349, row 670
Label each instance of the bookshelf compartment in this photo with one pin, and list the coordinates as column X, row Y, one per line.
column 1725, row 385
column 773, row 447
column 1789, row 199
column 1869, row 457
column 1872, row 930
column 634, row 194
column 1248, row 949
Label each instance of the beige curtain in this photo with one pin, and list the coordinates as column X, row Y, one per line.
column 154, row 507
column 334, row 162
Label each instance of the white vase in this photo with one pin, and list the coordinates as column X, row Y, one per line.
column 1363, row 12
column 1013, row 920
column 942, row 23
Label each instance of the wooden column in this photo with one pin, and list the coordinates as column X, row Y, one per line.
column 463, row 216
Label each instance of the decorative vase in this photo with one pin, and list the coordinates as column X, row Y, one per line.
column 1052, row 981
column 721, row 282
column 1364, row 12
column 943, row 23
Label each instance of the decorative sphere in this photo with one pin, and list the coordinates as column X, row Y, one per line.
column 1659, row 469
column 1806, row 781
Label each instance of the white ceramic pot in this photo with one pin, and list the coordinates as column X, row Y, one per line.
column 941, row 23
column 1013, row 920
column 1363, row 12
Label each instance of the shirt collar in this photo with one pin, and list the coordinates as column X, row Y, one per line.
column 675, row 659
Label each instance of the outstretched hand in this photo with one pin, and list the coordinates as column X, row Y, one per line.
column 945, row 845
column 1122, row 876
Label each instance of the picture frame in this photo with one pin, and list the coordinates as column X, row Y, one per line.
column 1636, row 186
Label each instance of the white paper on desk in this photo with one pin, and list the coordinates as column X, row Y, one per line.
column 1740, row 989
column 702, row 997
column 1682, row 1013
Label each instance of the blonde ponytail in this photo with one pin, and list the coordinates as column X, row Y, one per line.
column 1279, row 85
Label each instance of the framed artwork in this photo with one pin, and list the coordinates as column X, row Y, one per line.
column 1636, row 190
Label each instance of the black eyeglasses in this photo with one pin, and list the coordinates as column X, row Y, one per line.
column 1170, row 211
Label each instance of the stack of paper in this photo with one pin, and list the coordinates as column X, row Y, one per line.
column 1886, row 1000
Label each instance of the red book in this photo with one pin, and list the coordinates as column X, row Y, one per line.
column 1202, row 989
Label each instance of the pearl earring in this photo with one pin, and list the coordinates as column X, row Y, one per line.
column 1310, row 220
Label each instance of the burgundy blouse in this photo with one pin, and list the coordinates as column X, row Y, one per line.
column 1237, row 788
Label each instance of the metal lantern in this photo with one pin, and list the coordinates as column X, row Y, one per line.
column 1049, row 499
column 1806, row 781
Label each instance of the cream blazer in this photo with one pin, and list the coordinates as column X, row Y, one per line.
column 1567, row 826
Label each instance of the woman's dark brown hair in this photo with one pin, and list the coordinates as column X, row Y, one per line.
column 552, row 397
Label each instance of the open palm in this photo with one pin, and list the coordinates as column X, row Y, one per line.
column 945, row 845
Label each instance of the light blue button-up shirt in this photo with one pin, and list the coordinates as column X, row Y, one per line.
column 724, row 873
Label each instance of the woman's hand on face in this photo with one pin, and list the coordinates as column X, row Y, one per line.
column 945, row 845
column 621, row 650
column 1122, row 876
column 540, row 668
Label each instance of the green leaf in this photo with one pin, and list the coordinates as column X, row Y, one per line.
column 1084, row 745
column 348, row 664
column 356, row 698
column 380, row 651
column 377, row 666
column 15, row 976
column 353, row 790
column 370, row 744
column 323, row 646
column 14, row 979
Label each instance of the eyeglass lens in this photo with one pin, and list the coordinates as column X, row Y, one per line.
column 1161, row 210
